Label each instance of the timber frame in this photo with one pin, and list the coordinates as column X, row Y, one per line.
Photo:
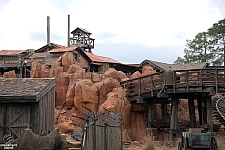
column 169, row 86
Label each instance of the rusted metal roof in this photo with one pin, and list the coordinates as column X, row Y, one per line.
column 63, row 49
column 49, row 47
column 84, row 30
column 102, row 59
column 11, row 52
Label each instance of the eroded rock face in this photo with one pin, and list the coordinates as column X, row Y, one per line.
column 35, row 70
column 117, row 102
column 138, row 123
column 10, row 74
column 136, row 74
column 62, row 83
column 104, row 87
column 113, row 73
column 146, row 70
column 73, row 68
column 67, row 60
column 85, row 95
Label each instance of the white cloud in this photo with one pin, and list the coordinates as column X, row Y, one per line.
column 150, row 23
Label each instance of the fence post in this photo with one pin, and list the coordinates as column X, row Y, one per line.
column 95, row 135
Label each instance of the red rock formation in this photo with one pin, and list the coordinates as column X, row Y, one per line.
column 70, row 94
column 113, row 73
column 104, row 87
column 73, row 68
column 96, row 77
column 62, row 83
column 67, row 60
column 146, row 70
column 138, row 121
column 136, row 74
column 117, row 101
column 10, row 74
column 35, row 70
column 85, row 95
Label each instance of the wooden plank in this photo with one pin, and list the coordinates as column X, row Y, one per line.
column 150, row 113
column 199, row 100
column 174, row 118
column 192, row 112
column 209, row 113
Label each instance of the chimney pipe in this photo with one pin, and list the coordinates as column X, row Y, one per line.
column 48, row 30
column 68, row 36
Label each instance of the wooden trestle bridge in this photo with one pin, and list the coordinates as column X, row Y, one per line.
column 169, row 86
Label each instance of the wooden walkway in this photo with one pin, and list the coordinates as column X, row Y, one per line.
column 168, row 87
column 165, row 84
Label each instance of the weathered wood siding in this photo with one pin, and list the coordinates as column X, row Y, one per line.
column 39, row 116
column 43, row 113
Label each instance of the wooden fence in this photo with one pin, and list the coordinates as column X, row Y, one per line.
column 102, row 131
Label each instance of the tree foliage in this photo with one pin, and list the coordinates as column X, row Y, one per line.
column 206, row 46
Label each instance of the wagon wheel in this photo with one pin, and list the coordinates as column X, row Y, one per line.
column 214, row 143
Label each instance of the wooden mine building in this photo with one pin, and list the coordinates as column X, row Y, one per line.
column 26, row 103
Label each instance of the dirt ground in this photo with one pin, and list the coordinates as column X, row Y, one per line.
column 168, row 145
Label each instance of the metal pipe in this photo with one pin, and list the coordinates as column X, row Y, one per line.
column 48, row 31
column 68, row 36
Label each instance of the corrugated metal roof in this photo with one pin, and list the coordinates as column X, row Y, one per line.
column 63, row 49
column 11, row 52
column 96, row 58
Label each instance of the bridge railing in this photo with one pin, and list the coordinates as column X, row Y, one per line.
column 145, row 85
column 200, row 79
column 180, row 81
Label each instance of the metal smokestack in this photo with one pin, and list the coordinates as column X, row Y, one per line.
column 68, row 36
column 48, row 31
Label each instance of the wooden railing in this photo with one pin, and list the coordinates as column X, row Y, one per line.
column 181, row 81
column 199, row 79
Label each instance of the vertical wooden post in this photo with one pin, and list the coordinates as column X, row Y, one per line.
column 200, row 110
column 150, row 113
column 209, row 113
column 174, row 118
column 191, row 108
column 164, row 112
column 95, row 135
column 204, row 110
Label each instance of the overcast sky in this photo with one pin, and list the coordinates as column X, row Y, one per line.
column 128, row 31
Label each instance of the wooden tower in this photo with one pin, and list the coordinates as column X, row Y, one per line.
column 81, row 38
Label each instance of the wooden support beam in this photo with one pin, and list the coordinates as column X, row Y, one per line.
column 164, row 112
column 174, row 118
column 200, row 110
column 192, row 112
column 150, row 113
column 209, row 113
column 204, row 111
